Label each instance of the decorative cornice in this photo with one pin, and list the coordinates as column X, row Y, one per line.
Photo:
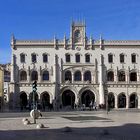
column 67, row 42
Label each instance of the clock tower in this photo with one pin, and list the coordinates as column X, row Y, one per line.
column 78, row 33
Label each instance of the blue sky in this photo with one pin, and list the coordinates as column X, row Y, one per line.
column 41, row 19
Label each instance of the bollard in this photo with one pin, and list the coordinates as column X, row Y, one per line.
column 40, row 125
column 26, row 122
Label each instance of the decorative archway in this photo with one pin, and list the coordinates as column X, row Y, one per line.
column 45, row 100
column 122, row 100
column 111, row 100
column 87, row 97
column 133, row 101
column 23, row 100
column 31, row 99
column 68, row 98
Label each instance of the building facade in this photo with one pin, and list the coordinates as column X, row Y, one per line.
column 75, row 71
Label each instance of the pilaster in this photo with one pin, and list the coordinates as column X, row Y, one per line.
column 101, row 88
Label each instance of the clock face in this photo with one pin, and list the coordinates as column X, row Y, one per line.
column 77, row 33
column 77, row 36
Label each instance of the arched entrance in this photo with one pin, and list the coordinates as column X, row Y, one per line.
column 111, row 100
column 87, row 97
column 45, row 100
column 133, row 101
column 31, row 99
column 121, row 101
column 68, row 98
column 23, row 100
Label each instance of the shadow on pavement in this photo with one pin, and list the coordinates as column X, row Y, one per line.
column 124, row 132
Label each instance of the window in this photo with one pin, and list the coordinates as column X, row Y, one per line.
column 22, row 58
column 133, row 58
column 34, row 76
column 77, row 76
column 110, row 76
column 121, row 58
column 110, row 58
column 121, row 76
column 133, row 76
column 23, row 76
column 87, row 58
column 67, row 57
column 34, row 58
column 68, row 76
column 45, row 58
column 77, row 58
column 87, row 76
column 45, row 76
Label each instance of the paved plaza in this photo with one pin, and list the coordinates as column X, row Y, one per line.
column 74, row 125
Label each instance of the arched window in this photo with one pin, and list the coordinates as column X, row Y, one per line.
column 77, row 76
column 122, row 58
column 68, row 76
column 45, row 58
column 87, row 76
column 121, row 76
column 110, row 76
column 77, row 57
column 23, row 76
column 22, row 58
column 45, row 76
column 67, row 58
column 110, row 58
column 111, row 100
column 34, row 76
column 133, row 76
column 34, row 60
column 121, row 100
column 133, row 58
column 87, row 58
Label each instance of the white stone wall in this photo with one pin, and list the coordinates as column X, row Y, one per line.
column 58, row 48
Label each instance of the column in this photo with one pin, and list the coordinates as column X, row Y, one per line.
column 28, row 75
column 116, row 101
column 127, row 102
column 39, row 76
column 82, row 77
column 95, row 72
column 138, row 76
column 72, row 77
column 92, row 77
column 116, row 76
column 101, row 88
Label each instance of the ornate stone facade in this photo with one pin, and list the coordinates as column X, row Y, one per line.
column 76, row 71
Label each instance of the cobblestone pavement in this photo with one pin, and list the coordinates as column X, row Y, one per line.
column 92, row 125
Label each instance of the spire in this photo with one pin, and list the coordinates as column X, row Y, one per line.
column 101, row 42
column 12, row 39
column 64, row 36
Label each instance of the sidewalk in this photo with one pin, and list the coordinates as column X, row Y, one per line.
column 91, row 126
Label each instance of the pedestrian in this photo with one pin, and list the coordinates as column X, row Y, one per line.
column 95, row 106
